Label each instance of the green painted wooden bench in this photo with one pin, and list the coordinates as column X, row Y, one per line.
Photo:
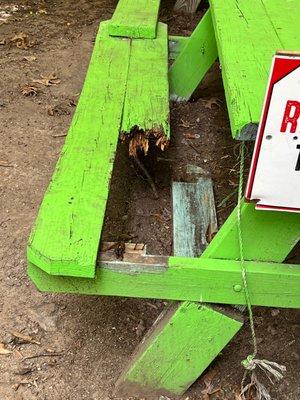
column 119, row 95
column 248, row 34
column 120, row 98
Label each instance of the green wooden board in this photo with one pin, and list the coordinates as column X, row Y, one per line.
column 248, row 34
column 135, row 19
column 267, row 235
column 187, row 336
column 146, row 104
column 66, row 235
column 195, row 279
column 195, row 59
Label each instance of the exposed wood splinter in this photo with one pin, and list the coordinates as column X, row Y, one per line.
column 139, row 140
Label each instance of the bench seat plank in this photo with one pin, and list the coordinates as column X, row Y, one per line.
column 248, row 34
column 66, row 235
column 135, row 19
column 146, row 104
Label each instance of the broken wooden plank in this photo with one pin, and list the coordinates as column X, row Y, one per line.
column 201, row 279
column 135, row 19
column 146, row 107
column 66, row 235
column 194, row 61
column 248, row 34
column 187, row 336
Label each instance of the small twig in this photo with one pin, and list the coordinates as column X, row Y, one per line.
column 189, row 143
column 5, row 164
column 147, row 175
column 61, row 135
column 228, row 197
column 43, row 355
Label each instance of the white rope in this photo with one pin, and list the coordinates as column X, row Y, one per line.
column 270, row 368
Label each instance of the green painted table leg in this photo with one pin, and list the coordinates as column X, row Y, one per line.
column 187, row 336
column 181, row 345
column 194, row 61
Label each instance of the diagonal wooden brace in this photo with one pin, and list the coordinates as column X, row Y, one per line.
column 187, row 336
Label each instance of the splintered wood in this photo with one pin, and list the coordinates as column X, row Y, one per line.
column 125, row 93
column 146, row 106
column 139, row 141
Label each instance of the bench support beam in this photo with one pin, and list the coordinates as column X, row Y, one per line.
column 267, row 235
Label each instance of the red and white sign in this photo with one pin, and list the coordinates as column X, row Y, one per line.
column 274, row 179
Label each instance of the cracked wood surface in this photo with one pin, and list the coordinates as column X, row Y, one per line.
column 126, row 86
column 248, row 34
column 135, row 19
column 67, row 231
column 146, row 104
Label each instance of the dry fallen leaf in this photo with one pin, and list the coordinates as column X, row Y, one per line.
column 21, row 41
column 184, row 124
column 190, row 135
column 24, row 338
column 3, row 350
column 209, row 389
column 48, row 80
column 5, row 164
column 2, row 42
column 29, row 90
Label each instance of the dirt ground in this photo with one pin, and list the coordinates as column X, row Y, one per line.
column 92, row 338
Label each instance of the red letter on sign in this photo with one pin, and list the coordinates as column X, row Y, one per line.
column 291, row 116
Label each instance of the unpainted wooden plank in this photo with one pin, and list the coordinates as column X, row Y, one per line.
column 194, row 61
column 135, row 19
column 248, row 34
column 187, row 336
column 146, row 106
column 187, row 6
column 196, row 279
column 194, row 216
column 65, row 238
